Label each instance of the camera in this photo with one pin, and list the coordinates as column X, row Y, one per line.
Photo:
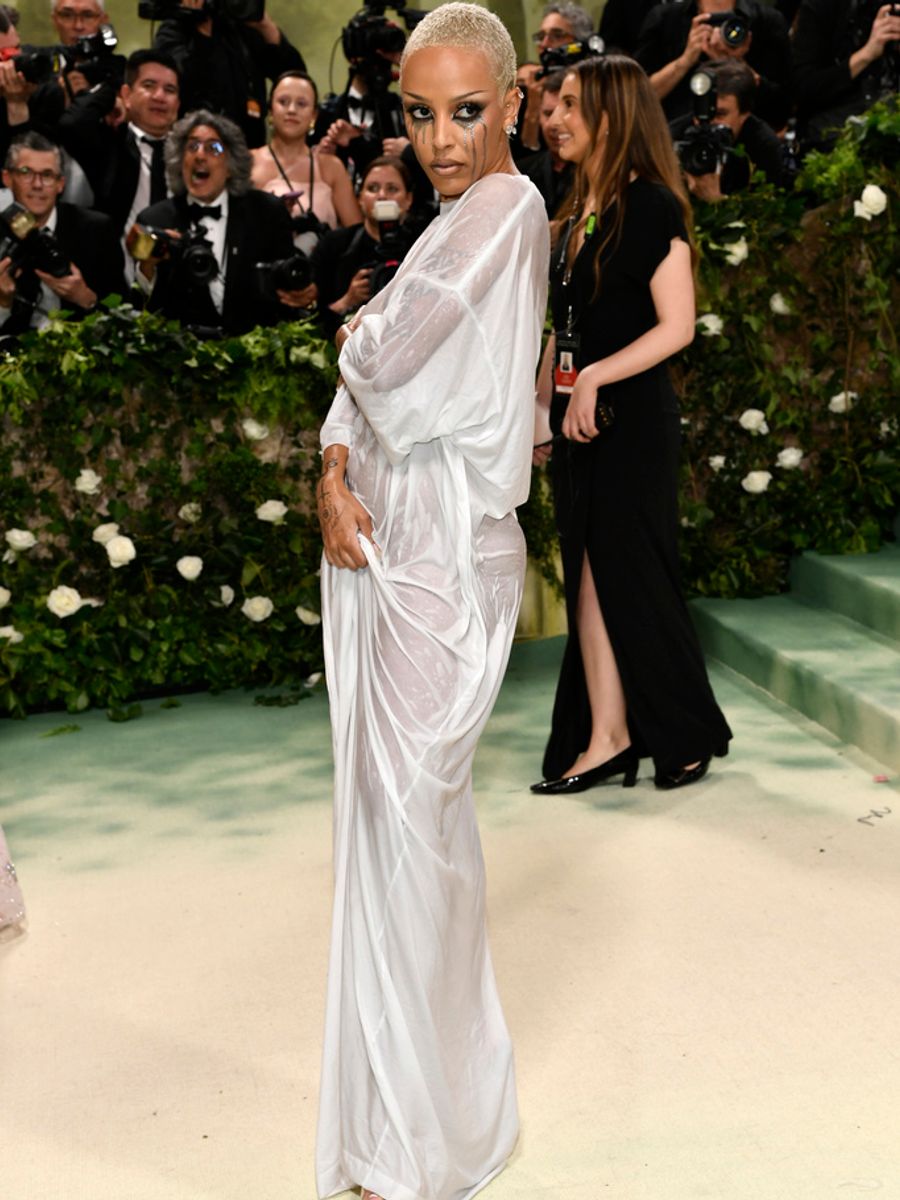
column 370, row 36
column 94, row 56
column 555, row 57
column 36, row 64
column 238, row 10
column 284, row 274
column 28, row 246
column 392, row 246
column 191, row 253
column 704, row 145
column 735, row 27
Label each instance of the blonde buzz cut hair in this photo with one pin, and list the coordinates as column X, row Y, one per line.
column 467, row 26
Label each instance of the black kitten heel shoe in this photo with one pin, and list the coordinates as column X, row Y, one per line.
column 681, row 776
column 625, row 763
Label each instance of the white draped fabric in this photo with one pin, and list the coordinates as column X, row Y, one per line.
column 418, row 1093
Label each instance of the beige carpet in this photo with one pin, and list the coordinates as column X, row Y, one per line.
column 702, row 986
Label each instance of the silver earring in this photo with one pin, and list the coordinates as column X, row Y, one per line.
column 509, row 130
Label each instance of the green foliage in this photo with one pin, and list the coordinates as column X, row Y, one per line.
column 837, row 274
column 160, row 418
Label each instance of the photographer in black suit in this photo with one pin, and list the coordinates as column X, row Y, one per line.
column 678, row 37
column 71, row 258
column 224, row 63
column 125, row 165
column 846, row 56
column 216, row 229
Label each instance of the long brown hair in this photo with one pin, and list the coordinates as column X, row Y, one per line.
column 637, row 142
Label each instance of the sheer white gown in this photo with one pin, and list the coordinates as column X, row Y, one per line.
column 418, row 1094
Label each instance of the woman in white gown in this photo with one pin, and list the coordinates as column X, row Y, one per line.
column 427, row 452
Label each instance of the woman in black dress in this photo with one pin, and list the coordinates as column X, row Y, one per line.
column 633, row 681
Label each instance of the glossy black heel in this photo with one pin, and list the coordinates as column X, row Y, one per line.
column 624, row 763
column 682, row 776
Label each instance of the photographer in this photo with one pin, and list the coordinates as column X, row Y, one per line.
column 846, row 56
column 125, row 164
column 15, row 90
column 677, row 38
column 209, row 240
column 70, row 259
column 73, row 21
column 561, row 25
column 366, row 120
column 730, row 107
column 345, row 259
column 224, row 60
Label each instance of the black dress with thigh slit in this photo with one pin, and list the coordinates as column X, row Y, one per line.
column 616, row 498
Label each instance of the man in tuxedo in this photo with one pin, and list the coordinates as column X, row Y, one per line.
column 125, row 164
column 215, row 211
column 70, row 260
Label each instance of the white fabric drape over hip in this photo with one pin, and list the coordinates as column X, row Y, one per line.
column 418, row 1094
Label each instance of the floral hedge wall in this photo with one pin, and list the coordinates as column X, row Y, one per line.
column 157, row 512
column 157, row 524
column 791, row 391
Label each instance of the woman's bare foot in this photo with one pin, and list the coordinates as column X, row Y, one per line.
column 365, row 1194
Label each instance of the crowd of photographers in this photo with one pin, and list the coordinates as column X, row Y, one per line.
column 203, row 178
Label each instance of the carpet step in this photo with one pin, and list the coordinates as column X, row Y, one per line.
column 864, row 587
column 833, row 670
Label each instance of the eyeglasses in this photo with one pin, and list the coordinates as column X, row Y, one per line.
column 556, row 37
column 46, row 176
column 211, row 147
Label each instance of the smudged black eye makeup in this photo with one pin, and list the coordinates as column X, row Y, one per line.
column 466, row 114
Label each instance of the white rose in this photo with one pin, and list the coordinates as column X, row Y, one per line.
column 20, row 539
column 257, row 608
column 227, row 594
column 5, row 597
column 888, row 428
column 873, row 200
column 753, row 420
column 737, row 252
column 756, row 481
column 120, row 550
column 313, row 679
column 842, row 402
column 272, row 510
column 189, row 567
column 779, row 305
column 253, row 430
column 105, row 533
column 9, row 556
column 307, row 616
column 860, row 210
column 64, row 601
column 717, row 461
column 88, row 481
column 710, row 325
column 11, row 634
column 190, row 512
column 789, row 457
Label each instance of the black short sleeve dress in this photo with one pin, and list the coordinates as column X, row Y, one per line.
column 616, row 500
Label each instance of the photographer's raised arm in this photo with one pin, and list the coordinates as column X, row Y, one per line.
column 667, row 78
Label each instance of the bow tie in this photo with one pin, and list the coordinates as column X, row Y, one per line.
column 197, row 211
